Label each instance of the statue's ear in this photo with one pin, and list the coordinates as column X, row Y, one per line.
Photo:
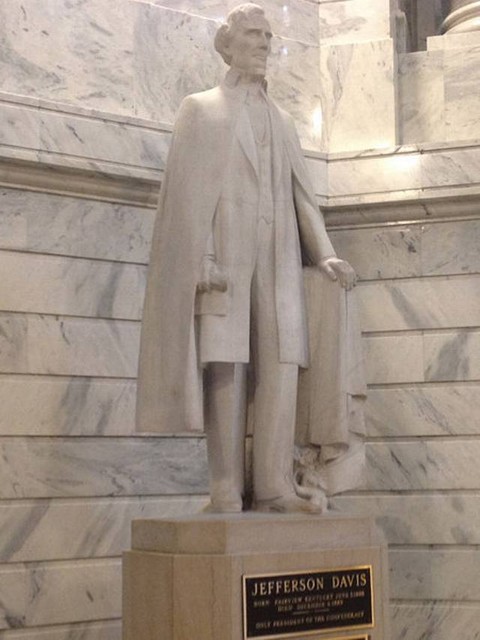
column 222, row 42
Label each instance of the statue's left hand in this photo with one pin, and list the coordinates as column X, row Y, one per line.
column 340, row 270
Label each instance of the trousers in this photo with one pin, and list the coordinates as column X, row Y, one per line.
column 274, row 392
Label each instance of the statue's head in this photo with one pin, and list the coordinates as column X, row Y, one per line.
column 244, row 40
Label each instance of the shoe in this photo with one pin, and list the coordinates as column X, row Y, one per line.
column 218, row 506
column 290, row 504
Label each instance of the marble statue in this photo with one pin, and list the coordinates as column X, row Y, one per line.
column 225, row 326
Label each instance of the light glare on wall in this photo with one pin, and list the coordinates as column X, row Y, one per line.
column 317, row 122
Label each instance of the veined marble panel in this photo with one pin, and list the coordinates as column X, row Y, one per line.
column 435, row 575
column 421, row 520
column 424, row 303
column 73, row 529
column 422, row 97
column 435, row 620
column 58, row 593
column 384, row 252
column 63, row 406
column 462, row 93
column 451, row 247
column 293, row 19
column 395, row 358
column 358, row 96
column 68, row 346
column 71, row 286
column 69, row 51
column 79, row 467
column 430, row 410
column 46, row 223
column 453, row 355
column 347, row 21
column 424, row 465
column 105, row 630
column 167, row 41
column 406, row 251
column 19, row 127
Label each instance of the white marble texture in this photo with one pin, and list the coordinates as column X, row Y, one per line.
column 68, row 346
column 406, row 251
column 462, row 93
column 80, row 467
column 347, row 21
column 423, row 303
column 105, row 630
column 435, row 575
column 168, row 40
column 429, row 519
column 382, row 252
column 452, row 355
column 358, row 96
column 453, row 41
column 423, row 465
column 429, row 410
column 70, row 51
column 371, row 174
column 72, row 529
column 62, row 406
column 39, row 594
column 395, row 358
column 71, row 286
column 439, row 620
column 292, row 19
column 53, row 224
column 421, row 97
column 451, row 247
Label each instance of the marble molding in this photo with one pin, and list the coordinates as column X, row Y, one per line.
column 428, row 519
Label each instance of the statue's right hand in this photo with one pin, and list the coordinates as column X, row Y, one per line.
column 212, row 276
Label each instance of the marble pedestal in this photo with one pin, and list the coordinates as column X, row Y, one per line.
column 183, row 577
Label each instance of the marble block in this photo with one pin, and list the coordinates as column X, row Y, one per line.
column 183, row 576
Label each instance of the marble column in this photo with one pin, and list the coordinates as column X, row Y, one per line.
column 464, row 16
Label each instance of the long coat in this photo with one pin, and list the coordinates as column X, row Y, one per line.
column 169, row 398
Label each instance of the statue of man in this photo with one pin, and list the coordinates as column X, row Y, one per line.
column 225, row 325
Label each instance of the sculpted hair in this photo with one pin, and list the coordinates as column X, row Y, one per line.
column 234, row 18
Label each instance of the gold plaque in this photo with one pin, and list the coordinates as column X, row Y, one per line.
column 282, row 605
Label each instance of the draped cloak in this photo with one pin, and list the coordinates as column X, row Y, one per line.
column 169, row 395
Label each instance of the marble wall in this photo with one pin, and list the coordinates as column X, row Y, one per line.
column 88, row 91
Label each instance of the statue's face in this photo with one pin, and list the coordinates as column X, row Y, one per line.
column 249, row 46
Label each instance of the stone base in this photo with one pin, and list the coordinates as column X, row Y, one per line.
column 183, row 578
